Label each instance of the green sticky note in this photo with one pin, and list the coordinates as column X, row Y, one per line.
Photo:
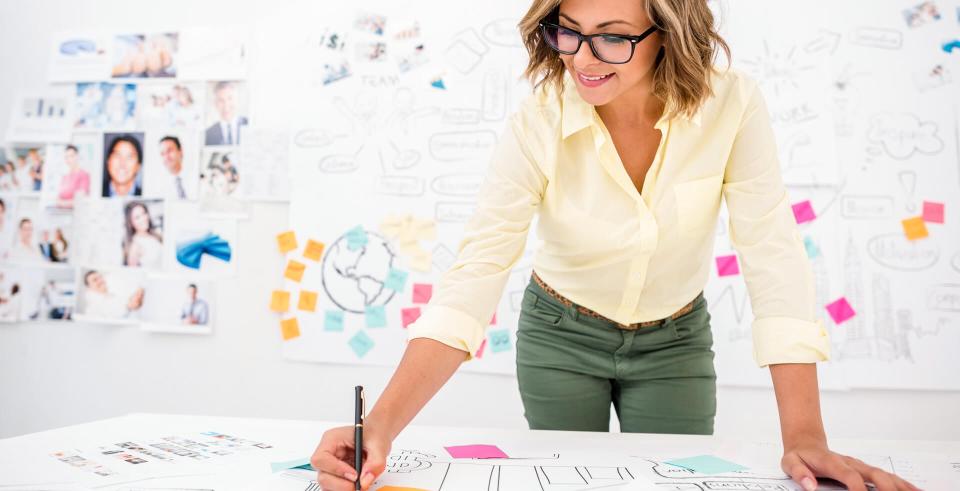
column 290, row 464
column 706, row 464
column 333, row 320
column 812, row 250
column 361, row 344
column 376, row 316
column 396, row 280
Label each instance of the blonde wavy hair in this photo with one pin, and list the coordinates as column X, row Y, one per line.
column 683, row 69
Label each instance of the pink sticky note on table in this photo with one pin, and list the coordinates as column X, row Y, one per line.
column 476, row 452
column 932, row 212
column 409, row 315
column 727, row 265
column 840, row 310
column 803, row 212
column 422, row 292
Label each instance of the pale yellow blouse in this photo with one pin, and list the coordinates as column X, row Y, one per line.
column 634, row 256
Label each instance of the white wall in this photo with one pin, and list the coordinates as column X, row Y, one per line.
column 53, row 375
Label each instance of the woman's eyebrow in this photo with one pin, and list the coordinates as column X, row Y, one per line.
column 600, row 25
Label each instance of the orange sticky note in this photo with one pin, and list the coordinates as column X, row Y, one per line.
column 289, row 328
column 295, row 270
column 287, row 241
column 314, row 250
column 280, row 301
column 308, row 301
column 915, row 228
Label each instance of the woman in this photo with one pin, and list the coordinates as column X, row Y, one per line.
column 123, row 161
column 625, row 148
column 76, row 182
column 143, row 245
column 60, row 246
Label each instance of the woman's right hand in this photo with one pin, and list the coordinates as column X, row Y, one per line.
column 334, row 456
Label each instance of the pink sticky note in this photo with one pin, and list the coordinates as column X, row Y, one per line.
column 727, row 265
column 932, row 212
column 422, row 292
column 476, row 452
column 803, row 212
column 493, row 320
column 482, row 346
column 409, row 315
column 840, row 310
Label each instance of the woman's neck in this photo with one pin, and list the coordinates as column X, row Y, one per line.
column 636, row 107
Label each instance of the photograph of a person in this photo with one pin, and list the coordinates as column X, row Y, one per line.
column 171, row 105
column 122, row 165
column 11, row 293
column 8, row 228
column 143, row 234
column 171, row 169
column 55, row 233
column 145, row 55
column 48, row 294
column 24, row 172
column 178, row 305
column 40, row 236
column 114, row 296
column 220, row 182
column 226, row 113
column 101, row 105
column 70, row 173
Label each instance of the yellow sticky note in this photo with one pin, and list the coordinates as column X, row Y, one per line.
column 289, row 328
column 915, row 228
column 280, row 301
column 287, row 241
column 313, row 250
column 294, row 270
column 308, row 301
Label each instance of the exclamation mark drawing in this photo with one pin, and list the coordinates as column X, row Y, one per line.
column 908, row 182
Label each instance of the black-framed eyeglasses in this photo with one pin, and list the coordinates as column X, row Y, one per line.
column 615, row 49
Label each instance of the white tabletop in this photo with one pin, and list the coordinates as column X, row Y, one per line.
column 26, row 460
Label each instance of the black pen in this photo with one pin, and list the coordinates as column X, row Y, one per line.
column 359, row 411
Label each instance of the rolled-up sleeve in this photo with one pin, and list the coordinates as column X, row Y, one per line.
column 764, row 233
column 494, row 238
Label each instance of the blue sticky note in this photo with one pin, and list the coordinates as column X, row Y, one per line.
column 333, row 320
column 361, row 344
column 290, row 464
column 376, row 316
column 812, row 250
column 356, row 238
column 706, row 464
column 396, row 280
column 500, row 340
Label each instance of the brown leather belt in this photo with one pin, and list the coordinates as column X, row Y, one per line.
column 585, row 311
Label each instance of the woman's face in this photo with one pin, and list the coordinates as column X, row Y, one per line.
column 123, row 163
column 609, row 17
column 139, row 219
column 70, row 157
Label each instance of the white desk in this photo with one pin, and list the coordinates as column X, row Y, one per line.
column 27, row 459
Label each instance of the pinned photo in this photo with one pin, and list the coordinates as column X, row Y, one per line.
column 122, row 165
column 110, row 296
column 921, row 14
column 39, row 237
column 226, row 112
column 371, row 51
column 171, row 106
column 37, row 294
column 72, row 172
column 22, row 171
column 172, row 165
column 75, row 57
column 371, row 23
column 178, row 305
column 220, row 182
column 145, row 55
column 120, row 233
column 334, row 71
column 41, row 116
column 197, row 245
column 102, row 105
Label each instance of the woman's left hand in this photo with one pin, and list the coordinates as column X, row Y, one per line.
column 806, row 461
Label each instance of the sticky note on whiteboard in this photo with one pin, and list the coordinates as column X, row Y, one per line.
column 803, row 212
column 287, row 241
column 840, row 310
column 727, row 265
column 280, row 301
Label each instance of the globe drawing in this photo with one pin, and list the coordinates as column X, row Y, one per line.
column 354, row 279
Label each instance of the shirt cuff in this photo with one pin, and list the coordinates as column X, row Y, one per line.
column 789, row 340
column 451, row 327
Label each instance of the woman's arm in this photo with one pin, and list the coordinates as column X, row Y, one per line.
column 426, row 365
column 805, row 451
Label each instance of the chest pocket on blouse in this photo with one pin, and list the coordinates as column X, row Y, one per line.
column 698, row 205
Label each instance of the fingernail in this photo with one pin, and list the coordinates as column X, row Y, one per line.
column 350, row 475
column 367, row 479
column 809, row 484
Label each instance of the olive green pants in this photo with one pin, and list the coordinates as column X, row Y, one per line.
column 571, row 367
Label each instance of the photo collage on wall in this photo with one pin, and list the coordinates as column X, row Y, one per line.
column 122, row 181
